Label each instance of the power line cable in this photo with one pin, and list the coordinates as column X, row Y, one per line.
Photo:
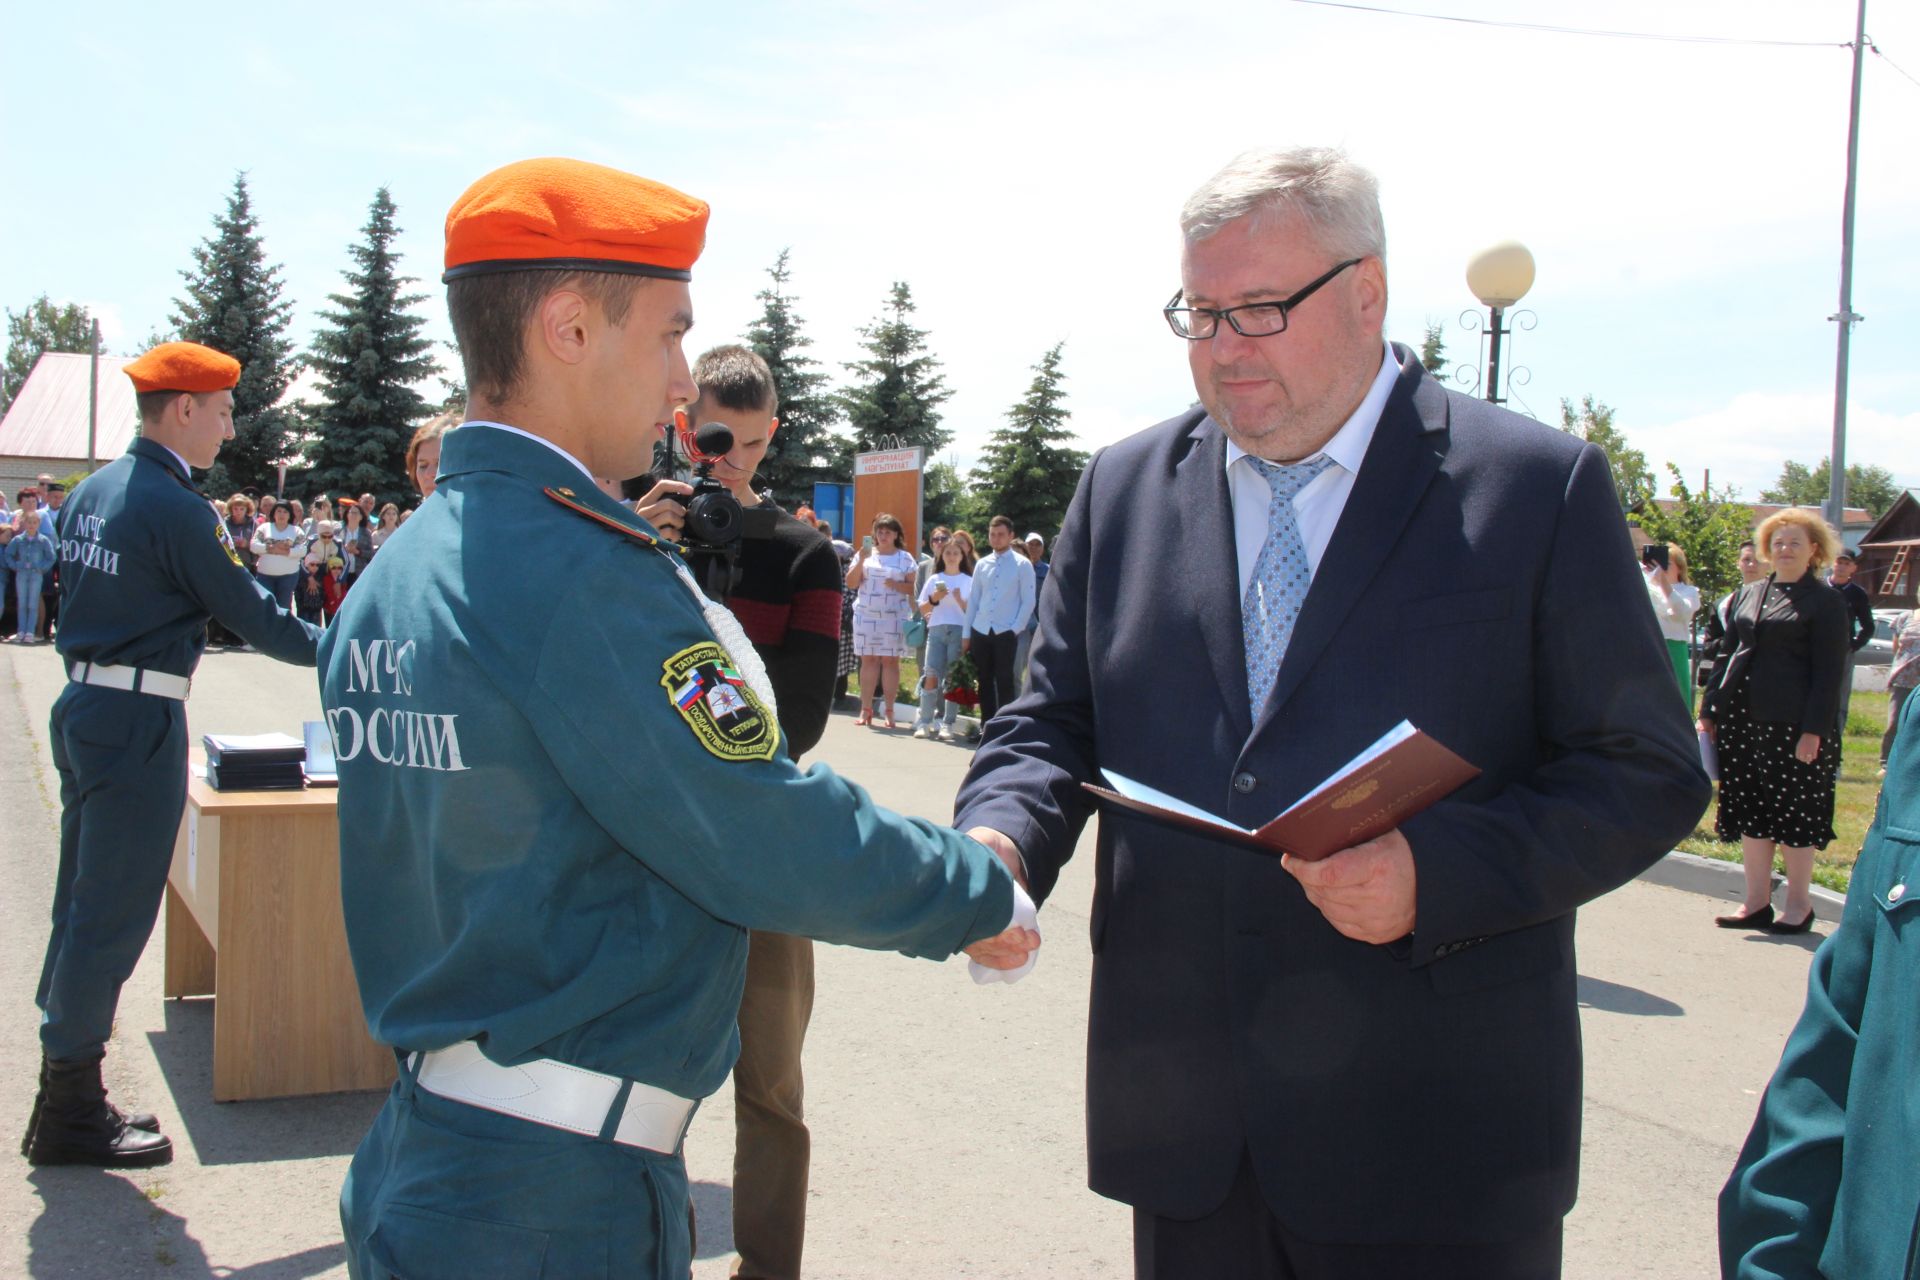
column 1889, row 61
column 1581, row 31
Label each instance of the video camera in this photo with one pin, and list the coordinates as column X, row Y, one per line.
column 716, row 523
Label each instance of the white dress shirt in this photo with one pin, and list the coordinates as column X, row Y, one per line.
column 1317, row 507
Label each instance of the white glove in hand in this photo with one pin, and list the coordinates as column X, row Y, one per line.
column 1026, row 916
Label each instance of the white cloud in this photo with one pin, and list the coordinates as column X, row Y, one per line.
column 1747, row 441
column 113, row 328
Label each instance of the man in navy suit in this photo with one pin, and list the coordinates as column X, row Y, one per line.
column 1367, row 1066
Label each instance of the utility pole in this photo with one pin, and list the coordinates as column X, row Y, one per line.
column 1847, row 318
column 93, row 397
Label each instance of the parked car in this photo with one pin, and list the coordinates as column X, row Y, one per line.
column 1879, row 650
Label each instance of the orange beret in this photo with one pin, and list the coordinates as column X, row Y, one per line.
column 569, row 215
column 184, row 366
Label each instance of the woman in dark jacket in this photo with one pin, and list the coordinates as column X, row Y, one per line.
column 356, row 540
column 1772, row 707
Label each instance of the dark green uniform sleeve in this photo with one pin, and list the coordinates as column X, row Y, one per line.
column 199, row 562
column 754, row 842
column 1777, row 1207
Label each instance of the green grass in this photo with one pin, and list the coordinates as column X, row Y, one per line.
column 1855, row 798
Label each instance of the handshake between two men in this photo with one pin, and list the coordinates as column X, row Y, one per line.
column 1009, row 955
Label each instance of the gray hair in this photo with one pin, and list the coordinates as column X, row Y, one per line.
column 1338, row 200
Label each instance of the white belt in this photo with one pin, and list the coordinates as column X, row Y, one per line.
column 132, row 679
column 557, row 1095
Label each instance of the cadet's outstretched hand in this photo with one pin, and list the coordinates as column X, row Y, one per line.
column 1366, row 892
column 1009, row 955
column 666, row 516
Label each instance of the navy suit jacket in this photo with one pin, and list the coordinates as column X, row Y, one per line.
column 1480, row 583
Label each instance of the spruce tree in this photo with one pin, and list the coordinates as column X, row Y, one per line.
column 1433, row 349
column 233, row 304
column 804, row 448
column 1028, row 470
column 950, row 501
column 894, row 402
column 39, row 328
column 370, row 358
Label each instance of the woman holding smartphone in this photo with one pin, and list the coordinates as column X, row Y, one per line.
column 882, row 574
column 943, row 603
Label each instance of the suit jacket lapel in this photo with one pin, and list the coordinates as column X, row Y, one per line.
column 1212, row 578
column 1405, row 454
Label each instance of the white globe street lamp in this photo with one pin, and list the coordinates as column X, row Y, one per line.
column 1499, row 276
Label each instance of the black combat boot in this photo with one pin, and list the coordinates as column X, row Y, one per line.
column 138, row 1120
column 75, row 1124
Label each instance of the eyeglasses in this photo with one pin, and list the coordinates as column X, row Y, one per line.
column 1253, row 320
column 939, row 538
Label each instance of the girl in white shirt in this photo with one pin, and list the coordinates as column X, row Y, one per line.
column 943, row 603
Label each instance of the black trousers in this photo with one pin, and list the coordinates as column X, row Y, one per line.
column 1242, row 1240
column 993, row 659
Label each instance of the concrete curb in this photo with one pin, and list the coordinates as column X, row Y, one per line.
column 1718, row 879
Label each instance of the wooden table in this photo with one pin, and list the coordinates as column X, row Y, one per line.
column 253, row 918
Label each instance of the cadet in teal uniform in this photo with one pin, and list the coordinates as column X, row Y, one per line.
column 1829, row 1181
column 564, row 798
column 145, row 560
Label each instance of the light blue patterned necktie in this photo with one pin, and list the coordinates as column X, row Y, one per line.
column 1281, row 577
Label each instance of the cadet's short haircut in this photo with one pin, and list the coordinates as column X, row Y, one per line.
column 153, row 404
column 1000, row 522
column 736, row 378
column 490, row 313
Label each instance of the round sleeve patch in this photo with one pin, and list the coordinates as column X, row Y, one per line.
column 717, row 703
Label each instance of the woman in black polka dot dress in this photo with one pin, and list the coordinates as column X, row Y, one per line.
column 1772, row 705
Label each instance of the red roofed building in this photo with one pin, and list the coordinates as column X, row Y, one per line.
column 45, row 430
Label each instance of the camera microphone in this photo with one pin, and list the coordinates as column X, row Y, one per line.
column 713, row 439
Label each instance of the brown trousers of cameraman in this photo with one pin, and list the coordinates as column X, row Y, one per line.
column 771, row 1146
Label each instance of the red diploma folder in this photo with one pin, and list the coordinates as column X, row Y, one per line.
column 1383, row 786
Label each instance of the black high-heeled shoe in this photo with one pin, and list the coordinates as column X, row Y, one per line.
column 1760, row 919
column 1781, row 926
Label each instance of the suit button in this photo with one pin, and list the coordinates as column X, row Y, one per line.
column 1896, row 893
column 1244, row 782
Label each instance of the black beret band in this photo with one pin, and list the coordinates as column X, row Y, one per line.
column 611, row 266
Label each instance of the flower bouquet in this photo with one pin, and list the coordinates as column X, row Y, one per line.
column 963, row 682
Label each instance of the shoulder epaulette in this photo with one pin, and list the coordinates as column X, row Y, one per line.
column 641, row 533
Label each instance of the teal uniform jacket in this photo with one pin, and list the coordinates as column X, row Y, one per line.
column 145, row 560
column 1829, row 1181
column 559, row 810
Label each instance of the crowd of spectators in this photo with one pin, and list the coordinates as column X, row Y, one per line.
column 30, row 560
column 938, row 588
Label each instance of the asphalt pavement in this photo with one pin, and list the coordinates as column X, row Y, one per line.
column 946, row 1118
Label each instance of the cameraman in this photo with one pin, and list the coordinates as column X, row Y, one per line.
column 787, row 600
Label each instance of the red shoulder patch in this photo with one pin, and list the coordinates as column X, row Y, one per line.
column 644, row 535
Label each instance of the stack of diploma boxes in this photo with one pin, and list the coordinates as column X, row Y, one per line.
column 255, row 762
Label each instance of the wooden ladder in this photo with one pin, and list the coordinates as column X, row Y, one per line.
column 1895, row 583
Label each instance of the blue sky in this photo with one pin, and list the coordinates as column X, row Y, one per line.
column 1021, row 167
